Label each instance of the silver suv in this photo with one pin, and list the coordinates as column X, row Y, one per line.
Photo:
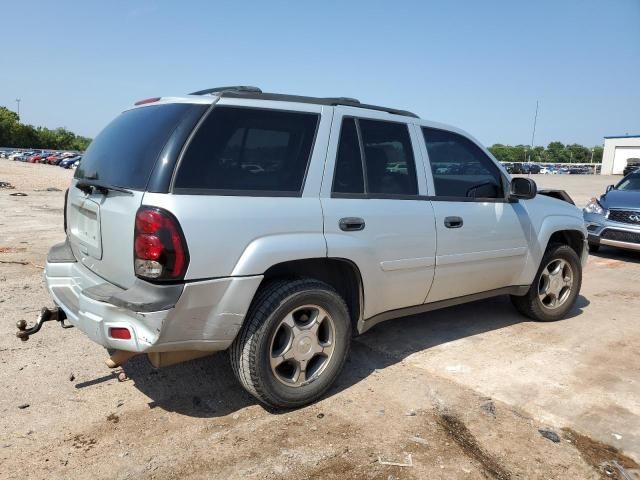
column 277, row 227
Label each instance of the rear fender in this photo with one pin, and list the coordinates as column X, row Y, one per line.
column 264, row 252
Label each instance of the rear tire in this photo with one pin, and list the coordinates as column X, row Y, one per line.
column 293, row 343
column 555, row 287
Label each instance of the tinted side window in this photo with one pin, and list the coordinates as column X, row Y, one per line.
column 348, row 177
column 460, row 168
column 246, row 149
column 388, row 158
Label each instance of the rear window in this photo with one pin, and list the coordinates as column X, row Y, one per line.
column 239, row 150
column 125, row 152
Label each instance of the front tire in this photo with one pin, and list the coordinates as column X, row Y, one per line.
column 555, row 288
column 293, row 343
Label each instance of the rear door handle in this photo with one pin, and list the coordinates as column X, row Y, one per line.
column 351, row 224
column 453, row 222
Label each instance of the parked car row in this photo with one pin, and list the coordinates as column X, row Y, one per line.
column 549, row 169
column 61, row 159
column 522, row 167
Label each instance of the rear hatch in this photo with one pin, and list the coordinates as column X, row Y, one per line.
column 109, row 184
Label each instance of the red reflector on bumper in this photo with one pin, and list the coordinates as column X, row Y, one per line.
column 120, row 333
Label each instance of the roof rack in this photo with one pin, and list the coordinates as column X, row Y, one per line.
column 257, row 94
column 235, row 88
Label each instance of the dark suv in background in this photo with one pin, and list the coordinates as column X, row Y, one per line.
column 633, row 164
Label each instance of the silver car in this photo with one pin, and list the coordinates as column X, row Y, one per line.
column 614, row 218
column 278, row 226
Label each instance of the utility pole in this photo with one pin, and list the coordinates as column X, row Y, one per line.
column 533, row 134
column 18, row 100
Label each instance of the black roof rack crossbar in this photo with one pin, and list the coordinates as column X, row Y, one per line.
column 236, row 92
column 235, row 88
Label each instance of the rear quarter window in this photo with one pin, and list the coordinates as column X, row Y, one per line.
column 238, row 150
column 125, row 152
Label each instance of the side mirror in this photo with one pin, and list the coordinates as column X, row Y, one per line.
column 609, row 188
column 522, row 188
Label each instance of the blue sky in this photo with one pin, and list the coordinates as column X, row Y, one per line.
column 480, row 65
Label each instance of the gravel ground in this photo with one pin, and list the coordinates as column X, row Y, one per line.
column 459, row 393
column 33, row 177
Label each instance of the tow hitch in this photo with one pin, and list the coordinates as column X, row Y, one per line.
column 46, row 315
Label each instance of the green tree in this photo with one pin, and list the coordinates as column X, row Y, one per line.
column 556, row 152
column 9, row 124
column 579, row 153
column 80, row 143
column 597, row 154
column 501, row 152
column 538, row 154
column 16, row 134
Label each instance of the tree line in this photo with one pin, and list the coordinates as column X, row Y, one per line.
column 555, row 152
column 15, row 134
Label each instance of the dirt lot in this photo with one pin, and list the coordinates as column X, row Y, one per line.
column 459, row 393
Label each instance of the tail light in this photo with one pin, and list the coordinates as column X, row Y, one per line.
column 160, row 251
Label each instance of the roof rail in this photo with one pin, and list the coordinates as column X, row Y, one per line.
column 257, row 94
column 345, row 100
column 235, row 88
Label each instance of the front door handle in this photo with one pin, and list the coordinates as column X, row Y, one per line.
column 453, row 222
column 351, row 224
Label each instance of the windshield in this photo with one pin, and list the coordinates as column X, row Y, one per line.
column 125, row 152
column 630, row 182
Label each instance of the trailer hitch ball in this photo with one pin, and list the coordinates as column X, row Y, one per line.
column 46, row 315
column 22, row 326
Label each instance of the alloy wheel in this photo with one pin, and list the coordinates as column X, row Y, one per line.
column 302, row 345
column 556, row 281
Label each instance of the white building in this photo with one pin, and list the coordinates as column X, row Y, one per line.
column 616, row 152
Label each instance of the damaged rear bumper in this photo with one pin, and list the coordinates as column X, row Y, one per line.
column 203, row 315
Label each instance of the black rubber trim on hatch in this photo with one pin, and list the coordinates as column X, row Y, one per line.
column 160, row 178
column 141, row 297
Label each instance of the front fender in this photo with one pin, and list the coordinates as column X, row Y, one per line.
column 557, row 223
column 546, row 227
column 264, row 252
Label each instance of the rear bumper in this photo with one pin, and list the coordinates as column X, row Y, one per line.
column 204, row 315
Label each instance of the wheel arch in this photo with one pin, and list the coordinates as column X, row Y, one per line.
column 340, row 273
column 565, row 229
column 573, row 238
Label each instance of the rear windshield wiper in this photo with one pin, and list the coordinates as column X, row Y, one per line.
column 90, row 187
